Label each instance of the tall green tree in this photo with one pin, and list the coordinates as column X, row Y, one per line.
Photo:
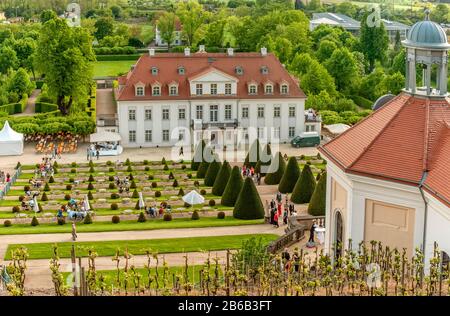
column 290, row 176
column 342, row 65
column 191, row 15
column 233, row 188
column 276, row 170
column 248, row 204
column 8, row 59
column 64, row 54
column 222, row 179
column 317, row 204
column 373, row 39
column 304, row 188
column 167, row 27
column 104, row 27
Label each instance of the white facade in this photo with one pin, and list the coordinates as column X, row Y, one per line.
column 360, row 189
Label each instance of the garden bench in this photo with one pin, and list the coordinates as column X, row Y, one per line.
column 101, row 190
column 127, row 212
column 21, row 215
column 101, row 201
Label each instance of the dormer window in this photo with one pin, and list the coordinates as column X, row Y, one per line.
column 284, row 89
column 213, row 88
column 140, row 91
column 154, row 71
column 199, row 89
column 181, row 70
column 268, row 89
column 252, row 89
column 239, row 70
column 156, row 90
column 264, row 70
column 173, row 90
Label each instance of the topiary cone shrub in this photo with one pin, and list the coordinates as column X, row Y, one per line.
column 91, row 178
column 248, row 204
column 290, row 176
column 88, row 219
column 163, row 161
column 304, row 188
column 222, row 179
column 109, row 163
column 265, row 159
column 130, row 176
column 51, row 179
column 171, row 176
column 129, row 169
column 34, row 221
column 136, row 207
column 90, row 196
column 316, row 206
column 166, row 167
column 115, row 219
column 111, row 186
column 133, row 185
column 202, row 169
column 198, row 155
column 91, row 170
column 195, row 216
column 276, row 170
column 110, row 178
column 175, row 183
column 135, row 194
column 232, row 188
column 18, row 165
column 110, row 169
column 181, row 192
column 142, row 218
column 73, row 164
column 55, row 170
column 211, row 174
column 90, row 186
column 91, row 163
column 127, row 162
column 46, row 187
column 44, row 197
column 253, row 154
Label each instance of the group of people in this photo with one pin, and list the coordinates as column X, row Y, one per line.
column 277, row 210
column 28, row 202
column 92, row 151
column 251, row 173
column 4, row 178
column 122, row 185
column 76, row 210
column 45, row 168
column 155, row 211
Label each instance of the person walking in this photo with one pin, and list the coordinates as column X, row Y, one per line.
column 74, row 232
column 311, row 233
column 98, row 154
column 275, row 220
column 181, row 151
column 88, row 153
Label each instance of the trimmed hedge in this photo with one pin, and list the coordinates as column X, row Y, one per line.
column 248, row 204
column 211, row 174
column 317, row 205
column 43, row 107
column 222, row 179
column 274, row 175
column 290, row 176
column 118, row 57
column 304, row 188
column 233, row 188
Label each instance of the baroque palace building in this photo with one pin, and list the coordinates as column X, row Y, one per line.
column 388, row 176
column 225, row 98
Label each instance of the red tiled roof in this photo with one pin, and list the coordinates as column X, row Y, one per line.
column 400, row 142
column 168, row 64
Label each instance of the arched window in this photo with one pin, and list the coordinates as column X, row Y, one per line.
column 338, row 234
column 156, row 90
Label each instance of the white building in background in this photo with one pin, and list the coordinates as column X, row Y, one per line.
column 388, row 177
column 226, row 98
column 177, row 41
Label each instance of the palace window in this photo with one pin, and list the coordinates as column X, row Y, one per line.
column 291, row 132
column 284, row 89
column 228, row 112
column 148, row 136
column 156, row 91
column 260, row 111
column 276, row 111
column 213, row 113
column 165, row 114
column 268, row 89
column 148, row 114
column 199, row 112
column 132, row 136
column 139, row 91
column 292, row 111
column 132, row 115
column 245, row 112
column 181, row 114
column 173, row 90
column 165, row 135
column 252, row 89
column 213, row 88
column 199, row 89
column 228, row 88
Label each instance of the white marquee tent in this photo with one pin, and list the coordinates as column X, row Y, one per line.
column 11, row 142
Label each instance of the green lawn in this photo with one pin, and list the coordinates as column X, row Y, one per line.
column 127, row 226
column 112, row 68
column 139, row 247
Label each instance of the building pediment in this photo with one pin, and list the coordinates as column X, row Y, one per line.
column 212, row 75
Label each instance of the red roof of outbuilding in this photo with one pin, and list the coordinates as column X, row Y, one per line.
column 201, row 63
column 405, row 139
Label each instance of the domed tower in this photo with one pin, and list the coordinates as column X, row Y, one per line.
column 426, row 44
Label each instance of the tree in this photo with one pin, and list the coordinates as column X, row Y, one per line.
column 304, row 188
column 8, row 59
column 317, row 79
column 290, row 176
column 325, row 50
column 20, row 82
column 202, row 169
column 25, row 49
column 248, row 204
column 316, row 206
column 321, row 101
column 233, row 188
column 116, row 11
column 198, row 155
column 191, row 15
column 104, row 27
column 440, row 13
column 211, row 174
column 65, row 56
column 166, row 26
column 253, row 155
column 276, row 170
column 47, row 15
column 397, row 43
column 393, row 83
column 374, row 39
column 222, row 179
column 342, row 66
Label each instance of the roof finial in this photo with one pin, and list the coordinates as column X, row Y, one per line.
column 427, row 14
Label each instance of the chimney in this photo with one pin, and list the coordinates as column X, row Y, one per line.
column 263, row 51
column 187, row 51
column 230, row 51
column 201, row 49
column 151, row 52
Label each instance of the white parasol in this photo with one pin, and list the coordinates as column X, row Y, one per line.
column 86, row 204
column 193, row 198
column 35, row 206
column 141, row 201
